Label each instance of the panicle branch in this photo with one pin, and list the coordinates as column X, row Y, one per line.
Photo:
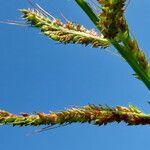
column 111, row 18
column 63, row 32
column 98, row 115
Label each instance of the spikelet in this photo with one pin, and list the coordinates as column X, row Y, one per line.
column 112, row 19
column 63, row 32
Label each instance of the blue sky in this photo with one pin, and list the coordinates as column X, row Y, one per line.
column 38, row 74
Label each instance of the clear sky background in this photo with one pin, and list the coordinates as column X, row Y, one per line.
column 38, row 74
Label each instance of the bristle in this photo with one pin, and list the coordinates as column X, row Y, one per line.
column 16, row 23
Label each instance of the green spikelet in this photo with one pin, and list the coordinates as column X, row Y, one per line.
column 66, row 33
